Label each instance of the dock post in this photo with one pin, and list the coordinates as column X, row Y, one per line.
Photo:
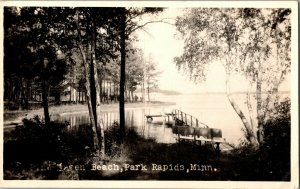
column 185, row 119
column 191, row 121
column 181, row 116
column 197, row 124
column 218, row 149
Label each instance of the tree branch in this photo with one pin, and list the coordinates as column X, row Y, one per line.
column 150, row 22
column 147, row 32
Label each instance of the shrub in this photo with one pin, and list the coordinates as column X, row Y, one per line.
column 275, row 152
column 33, row 141
column 272, row 160
column 34, row 144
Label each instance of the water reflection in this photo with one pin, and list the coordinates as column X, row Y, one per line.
column 158, row 129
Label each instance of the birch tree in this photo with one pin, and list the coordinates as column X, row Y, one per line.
column 96, row 43
column 241, row 40
column 266, row 56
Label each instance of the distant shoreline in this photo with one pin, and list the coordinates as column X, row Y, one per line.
column 15, row 117
column 171, row 92
column 236, row 92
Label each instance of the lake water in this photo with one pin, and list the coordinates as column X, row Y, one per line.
column 212, row 109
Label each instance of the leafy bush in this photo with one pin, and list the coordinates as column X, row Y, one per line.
column 272, row 160
column 34, row 144
column 275, row 152
column 33, row 141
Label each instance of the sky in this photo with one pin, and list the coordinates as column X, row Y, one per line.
column 160, row 42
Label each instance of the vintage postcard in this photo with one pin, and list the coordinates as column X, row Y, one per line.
column 148, row 94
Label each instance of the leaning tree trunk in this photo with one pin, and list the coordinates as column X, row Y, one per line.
column 260, row 115
column 250, row 109
column 88, row 97
column 250, row 135
column 88, row 88
column 96, row 105
column 99, row 123
column 122, row 72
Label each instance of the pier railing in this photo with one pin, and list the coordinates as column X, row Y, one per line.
column 187, row 119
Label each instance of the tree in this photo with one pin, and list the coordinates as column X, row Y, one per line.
column 127, row 25
column 109, row 74
column 18, row 59
column 134, row 72
column 19, row 68
column 227, row 35
column 75, row 74
column 269, row 34
column 94, row 31
column 50, row 33
column 37, row 49
column 151, row 74
column 50, row 67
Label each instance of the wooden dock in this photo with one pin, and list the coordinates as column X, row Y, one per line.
column 166, row 115
column 183, row 119
column 186, row 127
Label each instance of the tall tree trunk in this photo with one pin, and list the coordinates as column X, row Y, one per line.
column 70, row 100
column 101, row 89
column 28, row 94
column 110, row 90
column 79, row 96
column 260, row 135
column 143, row 92
column 22, row 93
column 9, row 92
column 249, row 133
column 122, row 73
column 115, row 92
column 148, row 92
column 87, row 87
column 97, row 89
column 131, row 95
column 126, row 94
column 88, row 97
column 45, row 93
column 107, row 92
column 141, row 86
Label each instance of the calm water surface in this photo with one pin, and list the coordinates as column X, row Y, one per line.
column 211, row 109
column 135, row 118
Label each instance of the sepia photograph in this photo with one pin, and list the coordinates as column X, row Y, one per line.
column 150, row 92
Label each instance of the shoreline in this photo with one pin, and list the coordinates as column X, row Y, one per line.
column 14, row 117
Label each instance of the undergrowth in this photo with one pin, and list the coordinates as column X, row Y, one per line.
column 56, row 151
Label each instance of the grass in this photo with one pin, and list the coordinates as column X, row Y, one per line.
column 34, row 154
column 34, row 151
